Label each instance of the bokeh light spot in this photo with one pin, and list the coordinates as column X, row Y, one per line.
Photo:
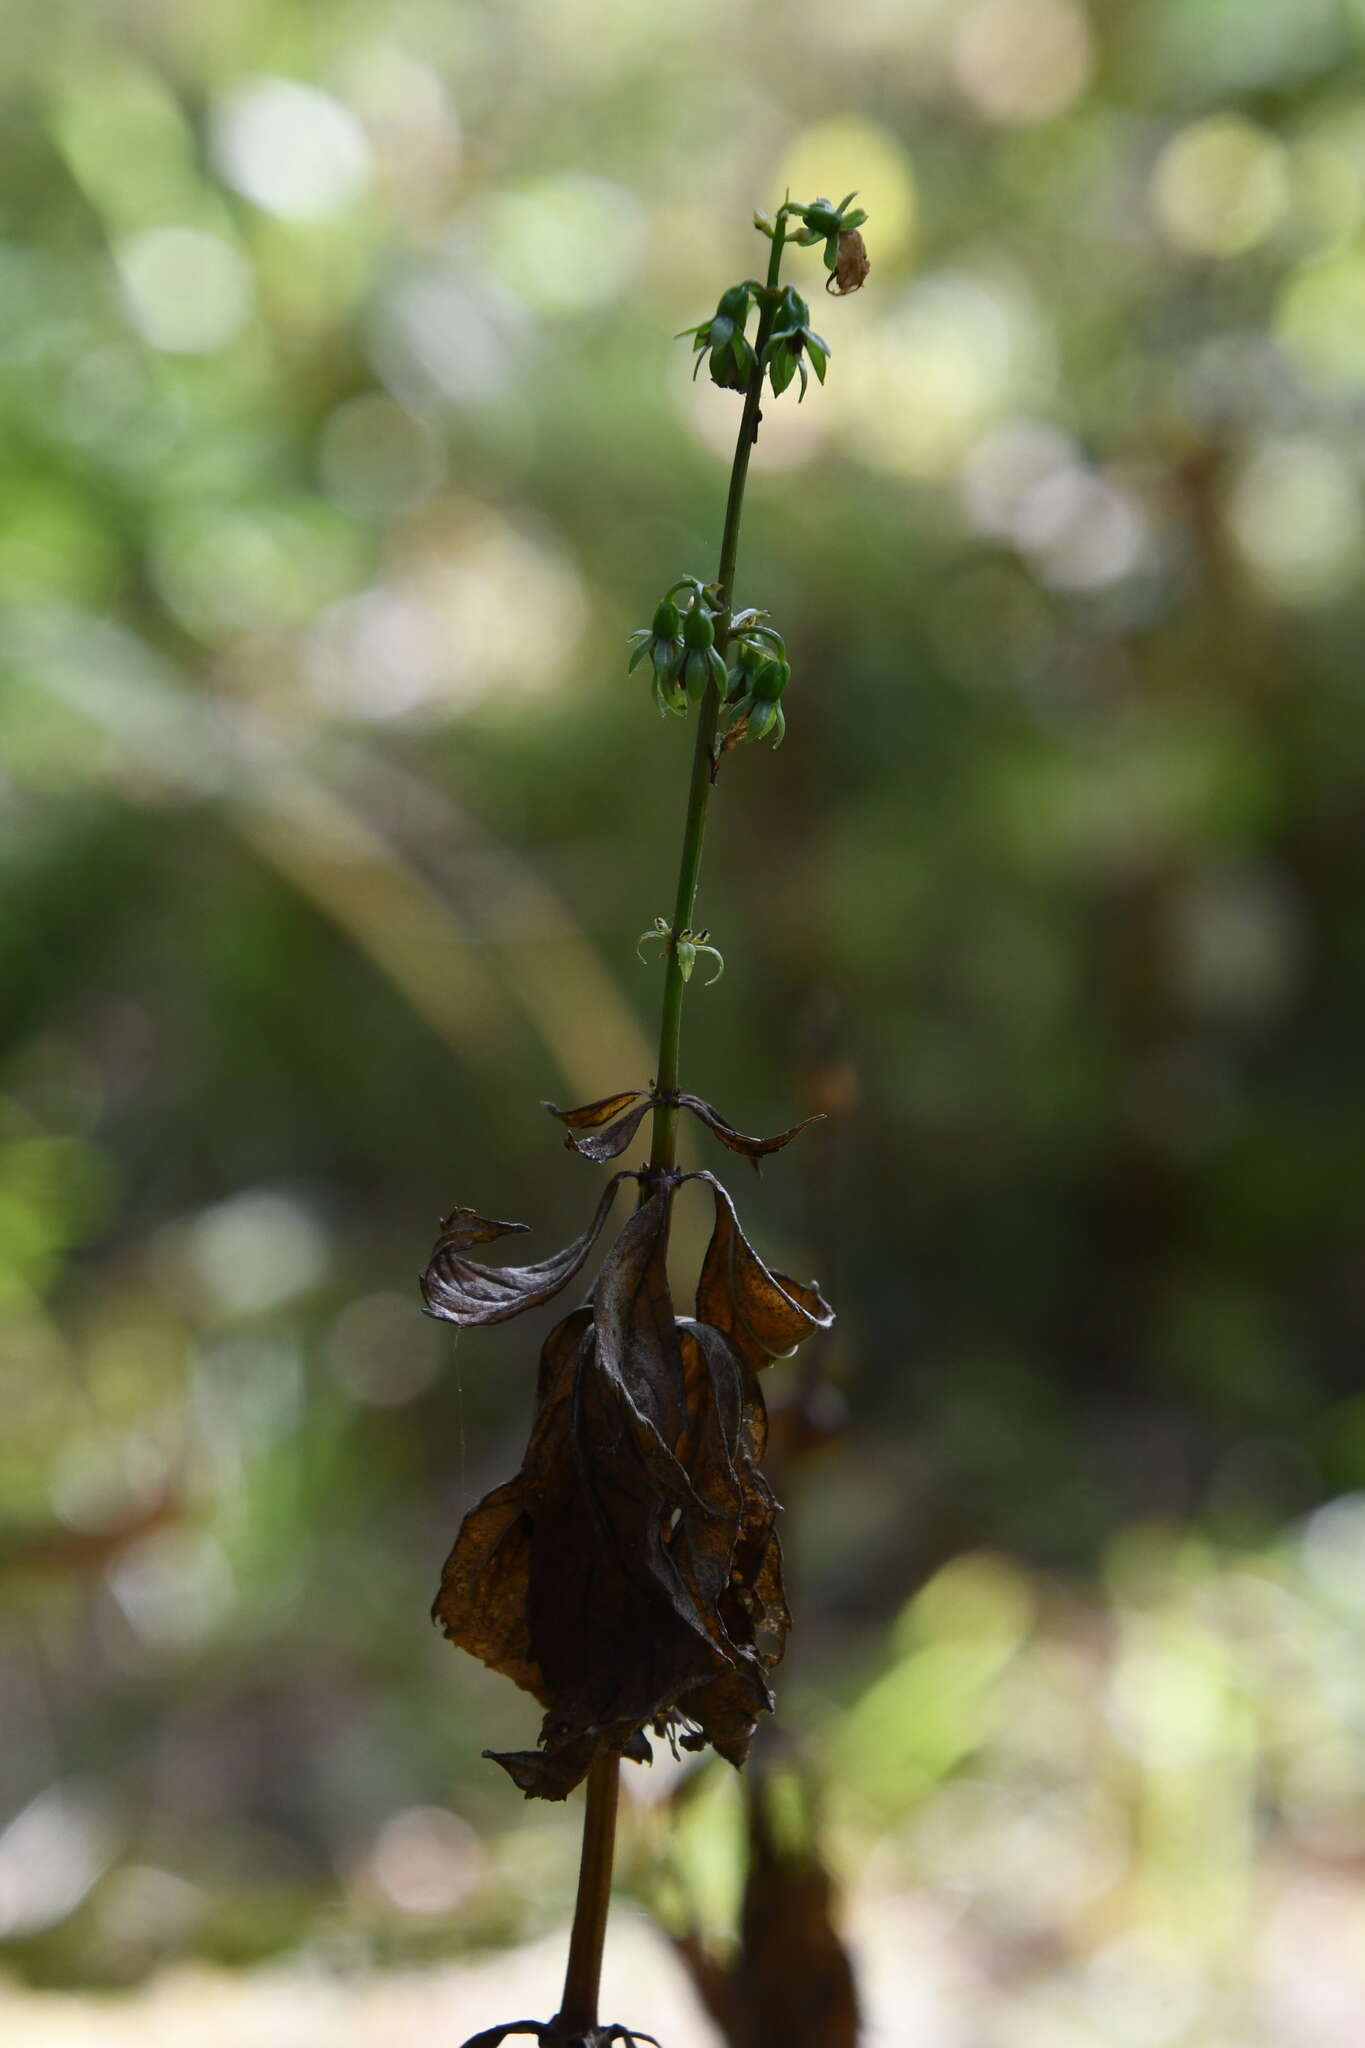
column 564, row 243
column 1019, row 62
column 187, row 291
column 949, row 358
column 1294, row 513
column 375, row 458
column 292, row 150
column 1220, row 186
column 51, row 1853
column 425, row 1861
column 256, row 1251
column 383, row 1351
column 1321, row 319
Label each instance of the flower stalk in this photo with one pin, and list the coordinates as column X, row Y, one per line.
column 629, row 1576
column 663, row 1151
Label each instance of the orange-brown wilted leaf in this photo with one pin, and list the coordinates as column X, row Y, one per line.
column 460, row 1290
column 764, row 1314
column 592, row 1115
column 753, row 1149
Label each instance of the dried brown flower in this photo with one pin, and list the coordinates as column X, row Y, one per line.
column 630, row 1575
column 851, row 265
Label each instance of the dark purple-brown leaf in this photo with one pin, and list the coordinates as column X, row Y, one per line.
column 464, row 1227
column 755, row 1150
column 460, row 1290
column 604, row 1138
column 629, row 1577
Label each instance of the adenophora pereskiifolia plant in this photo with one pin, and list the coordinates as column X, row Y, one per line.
column 630, row 1577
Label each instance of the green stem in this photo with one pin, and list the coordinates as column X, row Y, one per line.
column 663, row 1152
column 578, row 2010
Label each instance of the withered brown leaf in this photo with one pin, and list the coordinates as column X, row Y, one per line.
column 629, row 1577
column 764, row 1314
column 755, row 1150
column 460, row 1290
column 601, row 1144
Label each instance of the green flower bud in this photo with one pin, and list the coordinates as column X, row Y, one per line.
column 771, row 680
column 821, row 218
column 731, row 358
column 734, row 305
column 662, row 642
column 699, row 629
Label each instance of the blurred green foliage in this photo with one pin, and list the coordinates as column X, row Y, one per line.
column 344, row 445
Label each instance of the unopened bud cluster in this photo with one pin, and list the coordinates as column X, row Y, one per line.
column 681, row 646
column 684, row 659
column 758, row 674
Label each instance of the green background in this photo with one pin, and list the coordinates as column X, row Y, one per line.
column 344, row 445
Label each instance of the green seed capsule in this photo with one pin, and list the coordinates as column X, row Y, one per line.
column 771, row 680
column 734, row 305
column 699, row 631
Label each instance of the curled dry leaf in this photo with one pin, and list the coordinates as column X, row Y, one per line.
column 600, row 1143
column 602, row 1130
column 460, row 1290
column 629, row 1577
column 592, row 1115
column 765, row 1315
column 753, row 1149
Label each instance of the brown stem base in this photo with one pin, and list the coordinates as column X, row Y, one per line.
column 578, row 2012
